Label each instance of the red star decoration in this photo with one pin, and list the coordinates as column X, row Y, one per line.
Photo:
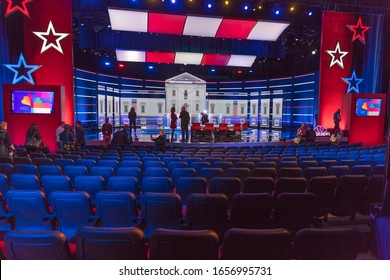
column 358, row 31
column 17, row 5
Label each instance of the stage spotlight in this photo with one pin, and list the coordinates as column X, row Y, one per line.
column 239, row 72
column 213, row 70
column 310, row 13
column 246, row 7
column 250, row 71
column 314, row 52
column 121, row 65
column 150, row 67
column 226, row 3
column 173, row 1
column 292, row 8
column 107, row 63
column 209, row 5
column 277, row 12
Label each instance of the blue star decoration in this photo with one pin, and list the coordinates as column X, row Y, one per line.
column 22, row 70
column 353, row 83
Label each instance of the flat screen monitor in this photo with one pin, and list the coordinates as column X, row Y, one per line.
column 368, row 107
column 32, row 102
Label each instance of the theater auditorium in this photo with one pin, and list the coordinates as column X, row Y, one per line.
column 194, row 130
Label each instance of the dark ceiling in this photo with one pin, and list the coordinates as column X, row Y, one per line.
column 300, row 41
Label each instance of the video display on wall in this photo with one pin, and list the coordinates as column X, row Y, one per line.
column 368, row 107
column 32, row 102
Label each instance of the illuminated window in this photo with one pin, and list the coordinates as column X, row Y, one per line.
column 126, row 108
column 227, row 109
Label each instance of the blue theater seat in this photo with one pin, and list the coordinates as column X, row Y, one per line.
column 129, row 171
column 72, row 171
column 104, row 171
column 188, row 185
column 125, row 243
column 25, row 182
column 157, row 185
column 25, row 169
column 90, row 184
column 49, row 170
column 53, row 183
column 4, row 184
column 123, row 184
column 228, row 186
column 116, row 209
column 48, row 245
column 62, row 162
column 290, row 185
column 72, row 210
column 311, row 172
column 168, row 244
column 108, row 162
column 30, row 210
column 85, row 162
column 258, row 185
column 162, row 210
column 198, row 165
column 42, row 161
column 323, row 187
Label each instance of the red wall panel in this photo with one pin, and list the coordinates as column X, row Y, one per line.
column 332, row 88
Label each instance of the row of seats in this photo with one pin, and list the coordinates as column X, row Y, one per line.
column 166, row 244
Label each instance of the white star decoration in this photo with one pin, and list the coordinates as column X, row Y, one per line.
column 50, row 31
column 20, row 70
column 339, row 59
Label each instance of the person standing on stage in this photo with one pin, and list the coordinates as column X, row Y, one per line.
column 173, row 123
column 80, row 134
column 107, row 131
column 185, row 121
column 132, row 120
column 59, row 129
column 336, row 119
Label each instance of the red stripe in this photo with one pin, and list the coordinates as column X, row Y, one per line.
column 160, row 57
column 235, row 29
column 215, row 59
column 166, row 23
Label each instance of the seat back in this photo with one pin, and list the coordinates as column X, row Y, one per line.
column 123, row 184
column 4, row 184
column 258, row 185
column 198, row 165
column 290, row 172
column 294, row 211
column 228, row 186
column 338, row 170
column 72, row 171
column 104, row 171
column 72, row 209
column 116, row 209
column 30, row 210
column 185, row 186
column 238, row 172
column 207, row 211
column 323, row 187
column 125, row 243
column 160, row 210
column 7, row 169
column 129, row 171
column 310, row 172
column 157, row 185
column 156, row 172
column 252, row 210
column 25, row 182
column 53, row 183
column 90, row 184
column 256, row 244
column 42, row 161
column 264, row 172
column 349, row 195
column 209, row 173
column 182, row 172
column 327, row 244
column 168, row 244
column 290, row 185
column 196, row 127
column 48, row 245
column 22, row 160
column 88, row 163
column 49, row 170
column 361, row 170
column 26, row 169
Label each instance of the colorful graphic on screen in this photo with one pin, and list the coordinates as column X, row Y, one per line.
column 32, row 102
column 368, row 107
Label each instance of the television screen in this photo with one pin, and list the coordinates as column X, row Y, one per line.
column 32, row 102
column 368, row 107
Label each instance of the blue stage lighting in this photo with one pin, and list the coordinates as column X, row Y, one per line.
column 150, row 67
column 209, row 5
column 246, row 7
column 310, row 13
column 173, row 1
column 213, row 70
column 277, row 12
column 107, row 63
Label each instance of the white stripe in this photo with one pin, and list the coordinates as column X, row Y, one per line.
column 267, row 31
column 201, row 26
column 128, row 20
